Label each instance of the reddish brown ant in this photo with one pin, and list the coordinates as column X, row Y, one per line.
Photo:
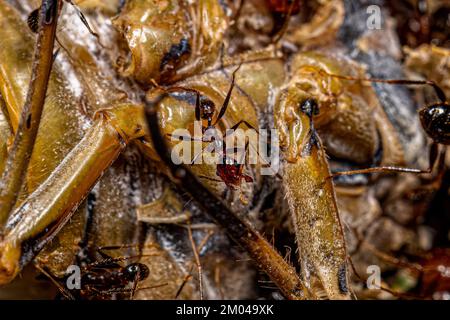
column 228, row 169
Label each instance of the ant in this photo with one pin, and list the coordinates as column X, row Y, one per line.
column 228, row 169
column 435, row 120
column 101, row 279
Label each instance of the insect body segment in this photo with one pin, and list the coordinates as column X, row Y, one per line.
column 311, row 199
column 169, row 39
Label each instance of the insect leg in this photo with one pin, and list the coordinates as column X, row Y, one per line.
column 50, row 206
column 435, row 158
column 19, row 156
column 312, row 202
column 166, row 209
column 223, row 109
column 439, row 92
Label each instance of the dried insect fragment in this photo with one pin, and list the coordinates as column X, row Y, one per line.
column 170, row 39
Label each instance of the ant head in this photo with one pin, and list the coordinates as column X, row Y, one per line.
column 436, row 122
column 207, row 108
column 137, row 270
column 309, row 107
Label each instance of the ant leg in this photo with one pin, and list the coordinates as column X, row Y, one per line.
column 234, row 127
column 113, row 262
column 379, row 169
column 242, row 160
column 223, row 109
column 439, row 92
column 52, row 278
column 197, row 106
column 231, row 131
column 434, row 158
column 210, row 147
column 101, row 250
column 124, row 290
column 197, row 262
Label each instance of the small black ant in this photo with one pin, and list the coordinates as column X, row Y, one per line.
column 104, row 278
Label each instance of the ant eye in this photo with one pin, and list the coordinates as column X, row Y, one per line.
column 309, row 107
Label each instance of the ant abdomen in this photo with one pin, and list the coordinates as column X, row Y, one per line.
column 435, row 120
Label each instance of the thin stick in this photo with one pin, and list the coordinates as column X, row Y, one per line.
column 197, row 262
column 19, row 156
